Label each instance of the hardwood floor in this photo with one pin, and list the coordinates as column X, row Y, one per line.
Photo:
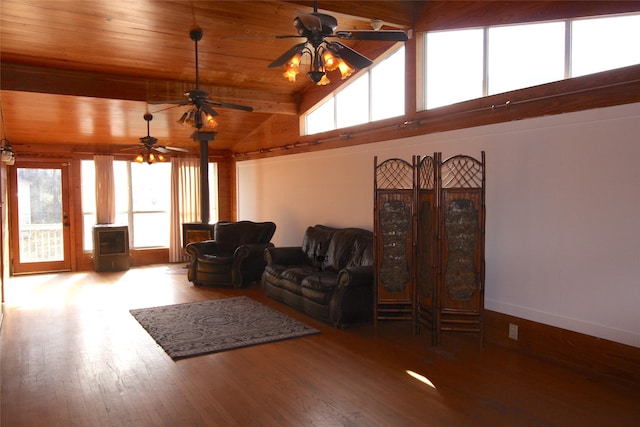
column 72, row 355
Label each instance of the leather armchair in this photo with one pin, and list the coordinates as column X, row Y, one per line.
column 235, row 256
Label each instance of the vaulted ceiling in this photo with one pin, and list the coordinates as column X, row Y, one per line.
column 80, row 75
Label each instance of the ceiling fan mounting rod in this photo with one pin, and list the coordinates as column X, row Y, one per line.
column 148, row 117
column 196, row 35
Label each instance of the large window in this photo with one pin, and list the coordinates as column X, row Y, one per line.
column 374, row 95
column 142, row 201
column 453, row 77
column 600, row 44
column 150, row 204
column 466, row 64
column 524, row 55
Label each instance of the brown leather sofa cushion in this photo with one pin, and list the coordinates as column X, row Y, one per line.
column 316, row 242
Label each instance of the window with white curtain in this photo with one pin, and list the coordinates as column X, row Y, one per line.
column 142, row 199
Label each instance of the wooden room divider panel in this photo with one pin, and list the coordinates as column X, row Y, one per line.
column 394, row 239
column 427, row 240
column 429, row 228
column 462, row 224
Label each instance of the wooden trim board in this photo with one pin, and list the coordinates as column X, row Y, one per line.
column 572, row 349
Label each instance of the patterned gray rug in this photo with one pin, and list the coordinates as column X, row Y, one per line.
column 192, row 329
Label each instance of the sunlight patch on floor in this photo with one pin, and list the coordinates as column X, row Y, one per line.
column 420, row 378
column 45, row 290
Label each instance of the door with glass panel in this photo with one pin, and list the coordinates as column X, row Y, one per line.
column 40, row 217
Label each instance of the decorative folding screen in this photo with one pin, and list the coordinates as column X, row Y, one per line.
column 429, row 219
column 393, row 239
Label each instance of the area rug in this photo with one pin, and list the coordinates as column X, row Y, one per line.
column 191, row 329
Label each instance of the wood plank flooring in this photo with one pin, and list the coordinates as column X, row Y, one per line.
column 72, row 355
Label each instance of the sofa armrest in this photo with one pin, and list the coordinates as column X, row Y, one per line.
column 352, row 299
column 196, row 249
column 290, row 255
column 356, row 276
column 251, row 250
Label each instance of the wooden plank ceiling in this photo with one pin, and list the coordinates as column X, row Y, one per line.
column 79, row 75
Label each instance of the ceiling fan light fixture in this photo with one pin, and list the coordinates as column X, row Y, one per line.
column 8, row 155
column 291, row 74
column 292, row 68
column 323, row 58
column 188, row 118
column 316, row 76
column 329, row 60
column 345, row 69
column 149, row 158
column 324, row 80
column 327, row 55
column 149, row 142
column 295, row 60
column 183, row 118
column 198, row 98
column 211, row 121
column 207, row 115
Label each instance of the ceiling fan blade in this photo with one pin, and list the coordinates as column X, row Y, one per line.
column 288, row 36
column 227, row 105
column 287, row 55
column 161, row 149
column 172, row 101
column 167, row 149
column 167, row 108
column 352, row 57
column 205, row 106
column 390, row 35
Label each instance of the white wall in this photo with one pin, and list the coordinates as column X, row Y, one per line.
column 563, row 210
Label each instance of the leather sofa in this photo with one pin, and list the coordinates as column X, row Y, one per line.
column 329, row 277
column 235, row 256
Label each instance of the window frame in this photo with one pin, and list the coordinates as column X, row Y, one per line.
column 568, row 23
column 87, row 236
column 333, row 97
column 605, row 89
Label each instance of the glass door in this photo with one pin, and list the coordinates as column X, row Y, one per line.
column 40, row 217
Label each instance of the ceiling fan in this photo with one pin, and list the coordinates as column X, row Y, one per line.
column 202, row 111
column 328, row 55
column 149, row 144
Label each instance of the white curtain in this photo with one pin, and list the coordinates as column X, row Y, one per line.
column 105, row 190
column 185, row 202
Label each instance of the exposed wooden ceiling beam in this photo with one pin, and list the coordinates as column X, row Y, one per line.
column 80, row 83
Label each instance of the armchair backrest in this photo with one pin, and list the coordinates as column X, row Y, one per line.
column 230, row 235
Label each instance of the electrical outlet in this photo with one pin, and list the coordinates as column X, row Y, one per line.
column 513, row 331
